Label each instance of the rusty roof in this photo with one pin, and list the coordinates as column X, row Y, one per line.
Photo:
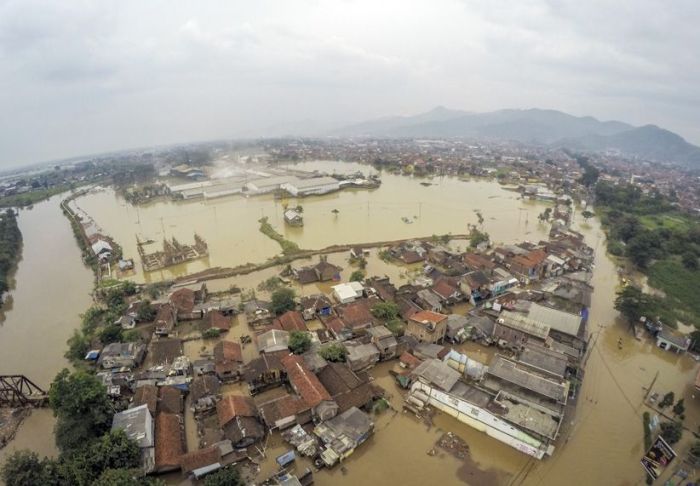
column 200, row 458
column 409, row 360
column 281, row 407
column 355, row 314
column 304, row 382
column 226, row 351
column 170, row 400
column 168, row 441
column 232, row 406
column 429, row 316
column 216, row 320
column 203, row 386
column 291, row 321
column 444, row 288
column 183, row 300
column 146, row 395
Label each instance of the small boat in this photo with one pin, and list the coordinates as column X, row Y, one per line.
column 406, row 220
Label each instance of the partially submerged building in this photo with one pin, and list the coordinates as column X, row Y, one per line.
column 341, row 435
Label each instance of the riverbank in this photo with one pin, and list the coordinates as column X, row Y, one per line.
column 10, row 251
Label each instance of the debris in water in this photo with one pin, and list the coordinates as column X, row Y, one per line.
column 453, row 444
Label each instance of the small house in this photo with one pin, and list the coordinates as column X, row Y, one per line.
column 427, row 326
column 273, row 340
column 315, row 305
column 361, row 356
column 238, row 419
column 672, row 341
column 293, row 217
column 228, row 359
column 346, row 293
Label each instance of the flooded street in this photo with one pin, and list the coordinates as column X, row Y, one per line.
column 605, row 444
column 52, row 290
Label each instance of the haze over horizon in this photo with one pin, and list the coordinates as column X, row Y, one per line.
column 80, row 78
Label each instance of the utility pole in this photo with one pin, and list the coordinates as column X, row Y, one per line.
column 651, row 386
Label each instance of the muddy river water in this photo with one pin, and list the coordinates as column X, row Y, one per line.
column 606, row 440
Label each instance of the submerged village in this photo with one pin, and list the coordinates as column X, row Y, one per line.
column 284, row 369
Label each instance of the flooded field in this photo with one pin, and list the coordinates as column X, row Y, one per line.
column 605, row 443
column 230, row 225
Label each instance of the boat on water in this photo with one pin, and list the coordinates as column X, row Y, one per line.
column 406, row 220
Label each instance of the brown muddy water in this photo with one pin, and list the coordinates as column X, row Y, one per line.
column 606, row 438
column 52, row 289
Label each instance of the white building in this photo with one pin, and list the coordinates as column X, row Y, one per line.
column 307, row 187
column 347, row 292
column 268, row 184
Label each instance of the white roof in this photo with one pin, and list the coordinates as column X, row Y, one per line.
column 555, row 319
column 344, row 291
column 99, row 246
column 314, row 182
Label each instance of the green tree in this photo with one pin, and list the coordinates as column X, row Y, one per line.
column 385, row 310
column 126, row 477
column 111, row 334
column 24, row 468
column 334, row 352
column 477, row 237
column 357, row 276
column 78, row 346
column 282, row 300
column 113, row 450
column 211, row 333
column 667, row 400
column 679, row 407
column 690, row 260
column 83, row 410
column 299, row 342
column 227, row 476
column 146, row 312
column 671, row 432
column 631, row 302
column 396, row 326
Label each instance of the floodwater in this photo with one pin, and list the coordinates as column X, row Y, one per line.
column 606, row 438
column 230, row 225
column 52, row 290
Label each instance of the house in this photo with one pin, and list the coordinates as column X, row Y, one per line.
column 307, row 386
column 321, row 272
column 122, row 355
column 138, row 425
column 293, row 217
column 170, row 400
column 342, row 434
column 382, row 287
column 448, row 292
column 361, row 356
column 347, row 388
column 201, row 462
column 165, row 320
column 146, row 395
column 507, row 376
column 168, row 442
column 356, row 315
column 265, row 372
column 273, row 340
column 101, row 249
column 165, row 351
column 312, row 186
column 337, row 328
column 429, row 300
column 346, row 293
column 407, row 360
column 481, row 328
column 672, row 341
column 183, row 301
column 545, row 361
column 430, row 351
column 475, row 285
column 427, row 326
column 238, row 419
column 228, row 359
column 529, row 266
column 204, row 391
column 204, row 366
column 357, row 252
column 478, row 262
column 216, row 320
column 290, row 321
column 457, row 328
column 315, row 305
column 281, row 412
column 385, row 342
column 257, row 311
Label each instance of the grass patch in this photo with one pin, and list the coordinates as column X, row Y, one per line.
column 680, row 286
column 288, row 247
column 670, row 221
column 31, row 197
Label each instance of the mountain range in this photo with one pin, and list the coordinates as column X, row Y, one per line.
column 535, row 126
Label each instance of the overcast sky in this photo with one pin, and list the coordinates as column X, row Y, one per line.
column 80, row 77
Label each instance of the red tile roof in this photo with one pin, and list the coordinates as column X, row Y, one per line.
column 216, row 320
column 228, row 351
column 168, row 441
column 409, row 360
column 200, row 458
column 304, row 382
column 430, row 316
column 231, row 406
column 444, row 288
column 183, row 300
column 146, row 395
column 291, row 321
column 355, row 314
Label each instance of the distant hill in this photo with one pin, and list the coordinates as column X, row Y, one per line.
column 535, row 126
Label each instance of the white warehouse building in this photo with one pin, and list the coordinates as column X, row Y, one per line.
column 307, row 187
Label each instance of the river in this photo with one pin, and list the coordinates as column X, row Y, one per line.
column 52, row 289
column 605, row 445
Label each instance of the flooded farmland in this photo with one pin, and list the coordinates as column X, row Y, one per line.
column 605, row 443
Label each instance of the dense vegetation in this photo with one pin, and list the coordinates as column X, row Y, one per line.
column 282, row 300
column 90, row 454
column 299, row 342
column 10, row 247
column 659, row 240
column 288, row 247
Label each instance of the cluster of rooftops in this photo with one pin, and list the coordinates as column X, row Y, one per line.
column 527, row 383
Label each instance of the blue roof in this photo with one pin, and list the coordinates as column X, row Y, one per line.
column 286, row 458
column 92, row 355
